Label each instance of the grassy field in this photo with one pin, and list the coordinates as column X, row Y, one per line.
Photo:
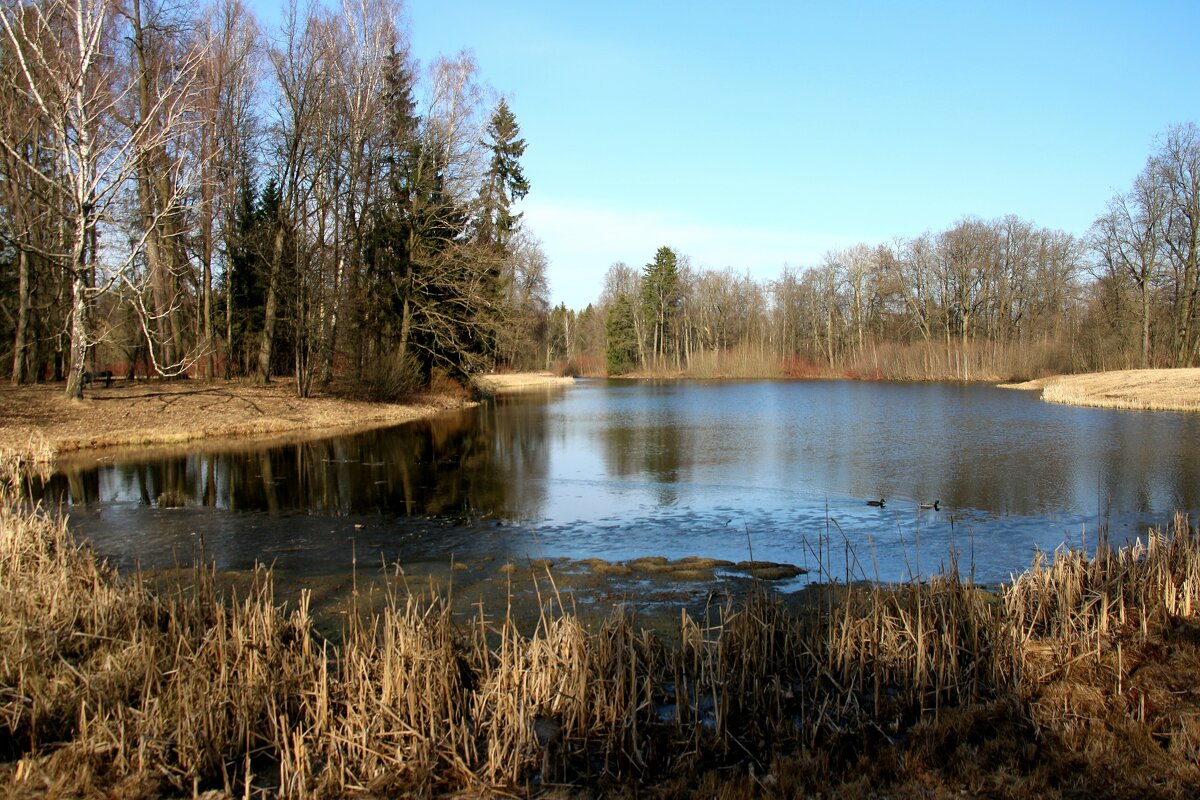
column 1080, row 677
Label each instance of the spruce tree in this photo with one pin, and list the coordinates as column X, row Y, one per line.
column 660, row 299
column 433, row 303
column 504, row 182
column 622, row 350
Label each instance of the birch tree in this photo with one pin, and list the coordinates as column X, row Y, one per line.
column 70, row 76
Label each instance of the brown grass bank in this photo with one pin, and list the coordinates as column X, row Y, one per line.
column 1082, row 677
column 161, row 412
column 1143, row 389
column 511, row 382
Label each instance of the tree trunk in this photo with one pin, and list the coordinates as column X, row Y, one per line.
column 206, row 256
column 1145, row 287
column 1186, row 312
column 228, row 325
column 329, row 345
column 22, row 334
column 79, row 325
column 268, row 335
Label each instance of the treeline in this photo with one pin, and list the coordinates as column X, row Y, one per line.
column 182, row 192
column 984, row 299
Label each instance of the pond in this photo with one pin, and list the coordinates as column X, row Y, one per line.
column 778, row 471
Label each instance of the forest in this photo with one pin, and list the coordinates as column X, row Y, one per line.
column 981, row 300
column 186, row 193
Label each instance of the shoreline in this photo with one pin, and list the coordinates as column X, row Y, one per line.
column 173, row 413
column 1132, row 389
column 1076, row 674
column 515, row 382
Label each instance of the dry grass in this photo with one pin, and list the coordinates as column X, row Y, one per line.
column 918, row 361
column 1146, row 389
column 155, row 412
column 504, row 383
column 1080, row 677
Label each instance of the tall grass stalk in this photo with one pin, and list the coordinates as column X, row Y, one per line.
column 108, row 687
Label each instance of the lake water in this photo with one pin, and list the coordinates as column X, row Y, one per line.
column 779, row 471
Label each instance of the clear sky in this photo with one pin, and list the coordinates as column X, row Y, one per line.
column 750, row 134
column 753, row 134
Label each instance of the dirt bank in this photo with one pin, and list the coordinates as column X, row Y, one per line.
column 156, row 412
column 1148, row 389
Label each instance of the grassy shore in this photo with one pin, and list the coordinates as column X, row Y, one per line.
column 1145, row 389
column 177, row 412
column 512, row 382
column 1080, row 677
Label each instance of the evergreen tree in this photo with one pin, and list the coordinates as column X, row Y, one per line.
column 504, row 183
column 622, row 351
column 431, row 304
column 660, row 300
column 246, row 279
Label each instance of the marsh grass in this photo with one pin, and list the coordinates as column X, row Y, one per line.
column 1138, row 389
column 1079, row 675
column 914, row 361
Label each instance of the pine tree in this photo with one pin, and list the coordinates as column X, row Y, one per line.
column 432, row 304
column 504, row 183
column 660, row 299
column 246, row 279
column 622, row 350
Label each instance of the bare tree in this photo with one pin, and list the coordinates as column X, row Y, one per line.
column 227, row 105
column 69, row 76
column 28, row 230
column 1128, row 241
column 1178, row 166
column 299, row 65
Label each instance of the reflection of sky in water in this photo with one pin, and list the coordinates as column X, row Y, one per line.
column 704, row 467
column 623, row 469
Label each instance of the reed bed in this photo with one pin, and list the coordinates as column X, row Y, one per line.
column 1137, row 389
column 1081, row 675
column 915, row 361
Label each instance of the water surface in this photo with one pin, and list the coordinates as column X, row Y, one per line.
column 619, row 469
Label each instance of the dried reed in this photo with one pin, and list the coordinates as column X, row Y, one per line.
column 109, row 688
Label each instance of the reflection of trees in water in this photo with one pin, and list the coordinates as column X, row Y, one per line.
column 451, row 465
column 661, row 452
column 1007, row 482
column 1146, row 466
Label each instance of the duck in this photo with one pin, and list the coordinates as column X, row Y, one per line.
column 877, row 503
column 936, row 505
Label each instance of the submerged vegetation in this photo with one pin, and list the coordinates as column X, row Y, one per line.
column 1080, row 675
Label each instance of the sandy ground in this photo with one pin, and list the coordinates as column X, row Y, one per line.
column 1150, row 389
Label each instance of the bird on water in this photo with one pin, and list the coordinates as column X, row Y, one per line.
column 936, row 505
column 877, row 503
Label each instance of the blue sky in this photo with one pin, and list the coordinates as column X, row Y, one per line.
column 754, row 134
